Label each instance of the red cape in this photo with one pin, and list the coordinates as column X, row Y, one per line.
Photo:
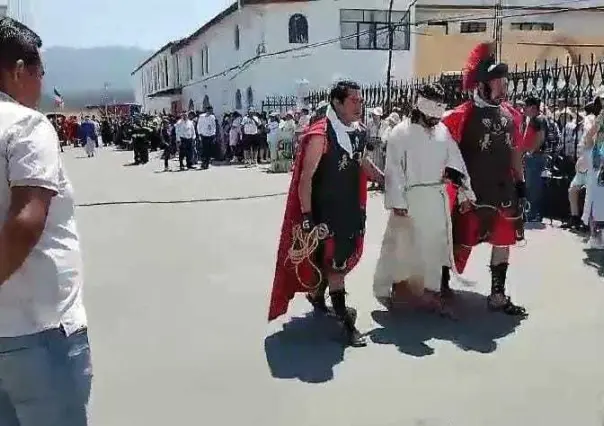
column 455, row 121
column 286, row 283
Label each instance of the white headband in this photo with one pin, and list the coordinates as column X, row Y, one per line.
column 431, row 108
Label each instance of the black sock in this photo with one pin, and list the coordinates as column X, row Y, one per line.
column 338, row 301
column 498, row 277
column 445, row 277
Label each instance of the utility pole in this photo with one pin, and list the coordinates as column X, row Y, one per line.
column 498, row 30
column 391, row 30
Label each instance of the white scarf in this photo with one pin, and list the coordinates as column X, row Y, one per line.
column 481, row 103
column 341, row 130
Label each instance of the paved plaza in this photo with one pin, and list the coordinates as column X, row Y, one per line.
column 178, row 273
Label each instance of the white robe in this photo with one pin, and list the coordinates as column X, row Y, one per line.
column 90, row 147
column 418, row 246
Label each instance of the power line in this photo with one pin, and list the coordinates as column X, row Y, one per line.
column 459, row 18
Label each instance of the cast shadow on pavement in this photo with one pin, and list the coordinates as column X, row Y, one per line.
column 534, row 226
column 476, row 329
column 595, row 259
column 306, row 349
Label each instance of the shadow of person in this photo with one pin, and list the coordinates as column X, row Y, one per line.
column 306, row 349
column 475, row 330
column 595, row 259
column 534, row 226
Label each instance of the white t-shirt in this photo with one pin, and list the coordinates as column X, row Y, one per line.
column 250, row 125
column 46, row 292
column 206, row 125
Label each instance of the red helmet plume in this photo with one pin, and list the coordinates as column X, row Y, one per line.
column 478, row 55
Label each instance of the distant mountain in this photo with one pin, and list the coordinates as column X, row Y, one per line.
column 80, row 74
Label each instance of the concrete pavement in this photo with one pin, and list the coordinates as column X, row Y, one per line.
column 177, row 297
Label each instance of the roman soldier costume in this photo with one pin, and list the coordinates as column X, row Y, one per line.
column 488, row 133
column 330, row 237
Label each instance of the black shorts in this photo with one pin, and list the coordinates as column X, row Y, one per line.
column 247, row 142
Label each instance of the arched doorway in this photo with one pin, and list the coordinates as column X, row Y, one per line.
column 191, row 105
column 206, row 102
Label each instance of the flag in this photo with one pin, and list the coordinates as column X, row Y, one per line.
column 58, row 98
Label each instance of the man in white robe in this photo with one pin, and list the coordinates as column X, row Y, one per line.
column 418, row 241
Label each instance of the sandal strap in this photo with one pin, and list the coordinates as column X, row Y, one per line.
column 508, row 307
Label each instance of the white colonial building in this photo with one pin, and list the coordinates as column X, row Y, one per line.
column 260, row 48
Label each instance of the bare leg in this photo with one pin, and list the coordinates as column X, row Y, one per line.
column 573, row 198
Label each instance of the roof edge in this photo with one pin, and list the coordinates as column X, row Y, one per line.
column 216, row 19
column 150, row 58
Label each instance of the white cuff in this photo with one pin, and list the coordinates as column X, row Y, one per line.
column 464, row 195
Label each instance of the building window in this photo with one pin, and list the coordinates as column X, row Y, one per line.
column 298, row 29
column 207, row 62
column 190, row 67
column 442, row 24
column 177, row 66
column 250, row 97
column 238, row 104
column 473, row 27
column 191, row 105
column 237, row 37
column 369, row 30
column 532, row 26
column 206, row 102
column 167, row 80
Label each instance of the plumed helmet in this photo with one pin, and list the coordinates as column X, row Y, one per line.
column 482, row 66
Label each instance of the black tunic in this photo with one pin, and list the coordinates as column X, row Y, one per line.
column 336, row 194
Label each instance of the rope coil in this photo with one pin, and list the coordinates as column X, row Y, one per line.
column 304, row 245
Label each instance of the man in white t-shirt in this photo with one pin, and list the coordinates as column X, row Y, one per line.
column 207, row 128
column 45, row 368
column 250, row 141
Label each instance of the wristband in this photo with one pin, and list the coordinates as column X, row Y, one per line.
column 307, row 223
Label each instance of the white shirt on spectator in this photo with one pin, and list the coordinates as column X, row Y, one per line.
column 206, row 125
column 46, row 291
column 250, row 125
column 185, row 129
column 303, row 121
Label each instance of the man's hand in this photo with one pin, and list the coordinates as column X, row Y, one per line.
column 401, row 212
column 465, row 206
column 307, row 222
column 372, row 171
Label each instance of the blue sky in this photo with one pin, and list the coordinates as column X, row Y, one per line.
column 143, row 23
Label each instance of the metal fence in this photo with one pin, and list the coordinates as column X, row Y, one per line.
column 280, row 104
column 558, row 85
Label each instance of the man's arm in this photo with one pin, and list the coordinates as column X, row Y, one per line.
column 592, row 127
column 373, row 171
column 23, row 227
column 312, row 156
column 538, row 126
column 395, row 195
column 517, row 165
column 33, row 173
